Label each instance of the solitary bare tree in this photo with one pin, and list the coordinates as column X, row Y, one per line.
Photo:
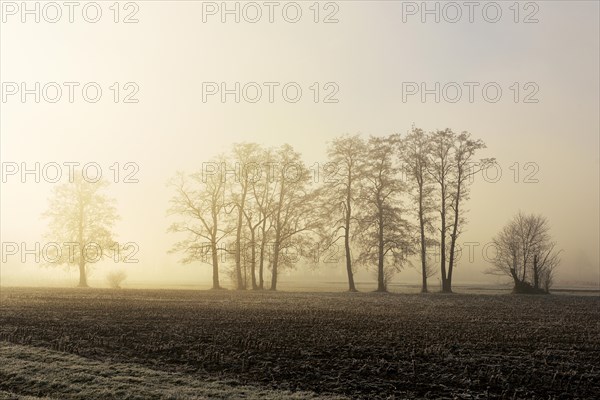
column 526, row 253
column 116, row 278
column 81, row 221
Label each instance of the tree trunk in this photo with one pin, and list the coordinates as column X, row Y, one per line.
column 82, row 274
column 215, row 263
column 423, row 244
column 238, row 247
column 536, row 273
column 278, row 231
column 351, row 286
column 380, row 271
column 275, row 264
column 261, row 267
column 453, row 238
column 261, row 264
column 513, row 273
column 213, row 245
column 276, row 248
column 515, row 278
column 253, row 260
column 245, row 276
column 443, row 243
column 524, row 265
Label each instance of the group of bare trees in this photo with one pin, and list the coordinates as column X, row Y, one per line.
column 363, row 195
column 386, row 198
column 450, row 165
column 254, row 205
column 399, row 195
column 526, row 253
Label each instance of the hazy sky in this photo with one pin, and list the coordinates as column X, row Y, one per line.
column 368, row 54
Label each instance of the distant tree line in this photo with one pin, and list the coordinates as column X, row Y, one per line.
column 384, row 200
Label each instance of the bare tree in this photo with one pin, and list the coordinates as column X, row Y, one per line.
column 265, row 196
column 116, row 278
column 81, row 221
column 463, row 168
column 548, row 268
column 257, row 213
column 292, row 208
column 451, row 164
column 526, row 253
column 343, row 173
column 200, row 202
column 440, row 167
column 246, row 170
column 385, row 234
column 415, row 152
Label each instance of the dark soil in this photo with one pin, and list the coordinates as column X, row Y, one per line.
column 363, row 345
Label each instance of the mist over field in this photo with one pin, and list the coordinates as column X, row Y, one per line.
column 299, row 199
column 547, row 150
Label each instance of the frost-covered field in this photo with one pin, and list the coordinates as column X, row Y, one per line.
column 98, row 344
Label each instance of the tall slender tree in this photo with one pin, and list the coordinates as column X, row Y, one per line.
column 292, row 208
column 415, row 152
column 386, row 240
column 265, row 195
column 440, row 167
column 342, row 175
column 200, row 203
column 463, row 167
column 257, row 215
column 245, row 170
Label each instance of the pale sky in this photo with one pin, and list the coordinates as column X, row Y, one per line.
column 369, row 53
